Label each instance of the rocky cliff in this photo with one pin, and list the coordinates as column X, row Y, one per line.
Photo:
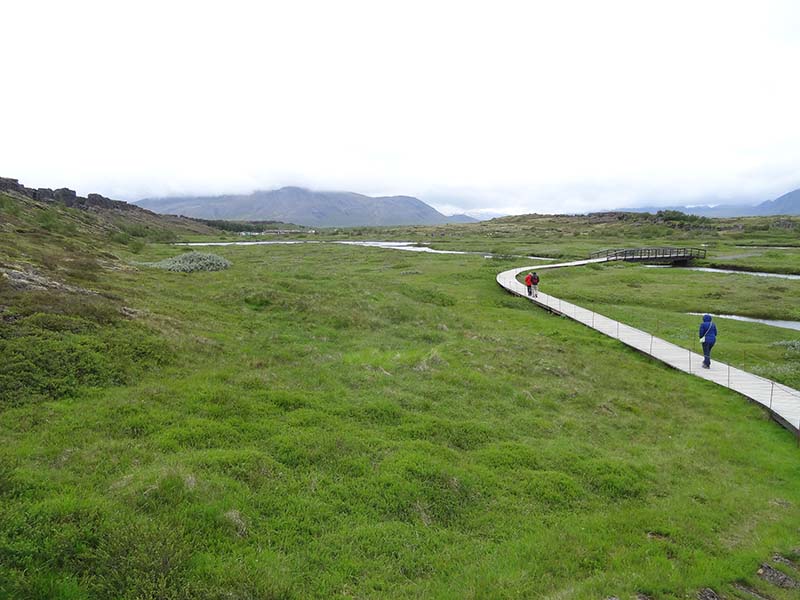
column 65, row 196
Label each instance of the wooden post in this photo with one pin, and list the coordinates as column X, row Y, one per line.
column 651, row 344
column 771, row 392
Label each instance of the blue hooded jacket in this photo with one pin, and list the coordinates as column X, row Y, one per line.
column 708, row 329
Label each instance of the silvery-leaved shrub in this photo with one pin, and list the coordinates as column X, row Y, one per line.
column 790, row 345
column 192, row 262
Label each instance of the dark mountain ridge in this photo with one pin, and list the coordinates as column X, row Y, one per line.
column 306, row 207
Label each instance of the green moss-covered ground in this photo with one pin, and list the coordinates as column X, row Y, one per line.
column 330, row 421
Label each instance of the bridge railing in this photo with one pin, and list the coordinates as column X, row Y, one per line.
column 650, row 253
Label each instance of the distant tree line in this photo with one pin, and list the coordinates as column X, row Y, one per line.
column 251, row 226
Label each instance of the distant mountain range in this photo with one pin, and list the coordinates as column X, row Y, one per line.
column 306, row 207
column 788, row 204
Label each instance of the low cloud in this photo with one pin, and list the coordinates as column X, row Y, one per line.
column 561, row 107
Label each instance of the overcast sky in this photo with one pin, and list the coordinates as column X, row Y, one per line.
column 513, row 107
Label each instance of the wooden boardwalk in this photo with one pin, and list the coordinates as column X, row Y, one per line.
column 781, row 401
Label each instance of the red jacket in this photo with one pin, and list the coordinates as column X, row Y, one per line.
column 528, row 279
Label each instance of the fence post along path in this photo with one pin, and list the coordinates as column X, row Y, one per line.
column 782, row 402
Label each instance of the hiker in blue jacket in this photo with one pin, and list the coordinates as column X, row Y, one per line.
column 708, row 335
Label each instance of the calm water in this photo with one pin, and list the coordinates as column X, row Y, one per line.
column 770, row 247
column 775, row 323
column 710, row 270
column 409, row 246
column 244, row 243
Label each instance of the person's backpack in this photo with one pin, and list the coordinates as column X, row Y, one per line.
column 535, row 280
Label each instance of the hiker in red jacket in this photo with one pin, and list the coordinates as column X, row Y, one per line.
column 534, row 285
column 529, row 283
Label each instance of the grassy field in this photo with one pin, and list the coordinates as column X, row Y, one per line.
column 742, row 243
column 331, row 421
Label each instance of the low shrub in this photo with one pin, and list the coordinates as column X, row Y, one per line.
column 427, row 296
column 9, row 206
column 119, row 237
column 141, row 559
column 62, row 342
column 192, row 262
column 51, row 220
column 790, row 345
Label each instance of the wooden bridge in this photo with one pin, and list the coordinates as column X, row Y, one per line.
column 659, row 255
